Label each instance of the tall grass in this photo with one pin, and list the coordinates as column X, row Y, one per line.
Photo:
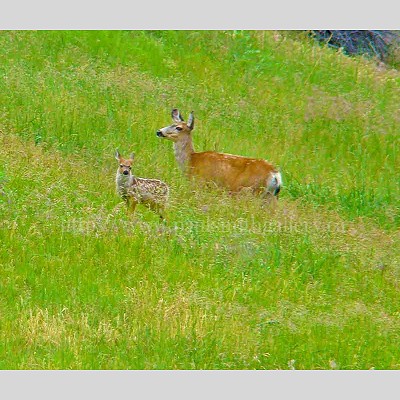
column 95, row 90
column 226, row 283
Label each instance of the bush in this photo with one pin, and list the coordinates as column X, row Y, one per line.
column 373, row 43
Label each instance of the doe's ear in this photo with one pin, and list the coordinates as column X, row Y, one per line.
column 117, row 155
column 190, row 122
column 176, row 115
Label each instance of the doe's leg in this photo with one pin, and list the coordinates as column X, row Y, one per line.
column 270, row 200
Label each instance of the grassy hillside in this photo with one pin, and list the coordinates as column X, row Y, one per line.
column 226, row 283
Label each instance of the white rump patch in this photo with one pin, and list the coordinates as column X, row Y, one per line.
column 274, row 183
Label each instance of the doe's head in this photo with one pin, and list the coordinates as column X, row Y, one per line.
column 179, row 128
column 125, row 164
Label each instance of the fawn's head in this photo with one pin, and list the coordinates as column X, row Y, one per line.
column 179, row 129
column 125, row 164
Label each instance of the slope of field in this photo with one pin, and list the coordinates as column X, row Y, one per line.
column 226, row 282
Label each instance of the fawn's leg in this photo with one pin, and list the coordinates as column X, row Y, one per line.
column 158, row 209
column 132, row 203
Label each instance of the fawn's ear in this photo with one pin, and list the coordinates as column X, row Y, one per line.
column 117, row 155
column 132, row 156
column 176, row 115
column 190, row 122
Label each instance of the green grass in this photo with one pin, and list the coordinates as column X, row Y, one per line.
column 226, row 283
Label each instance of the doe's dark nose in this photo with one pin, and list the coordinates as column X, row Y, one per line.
column 126, row 172
column 159, row 134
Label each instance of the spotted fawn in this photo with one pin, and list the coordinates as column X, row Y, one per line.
column 153, row 193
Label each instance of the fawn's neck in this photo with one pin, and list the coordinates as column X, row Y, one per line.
column 124, row 182
column 183, row 151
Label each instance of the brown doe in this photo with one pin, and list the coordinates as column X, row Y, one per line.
column 153, row 193
column 232, row 172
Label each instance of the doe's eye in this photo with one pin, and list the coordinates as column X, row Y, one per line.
column 121, row 166
column 178, row 128
column 130, row 167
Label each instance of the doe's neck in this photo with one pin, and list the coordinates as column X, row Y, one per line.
column 183, row 151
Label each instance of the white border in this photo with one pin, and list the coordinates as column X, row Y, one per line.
column 204, row 14
column 197, row 384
